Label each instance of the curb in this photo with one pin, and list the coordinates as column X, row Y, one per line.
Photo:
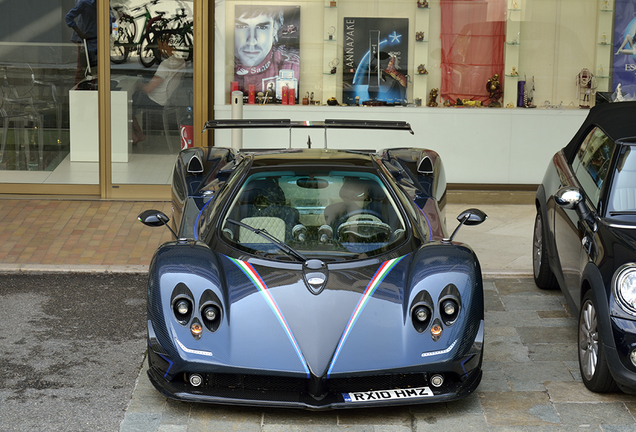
column 143, row 269
column 51, row 268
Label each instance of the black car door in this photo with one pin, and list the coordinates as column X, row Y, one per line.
column 574, row 236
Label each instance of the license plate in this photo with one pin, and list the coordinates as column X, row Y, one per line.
column 384, row 395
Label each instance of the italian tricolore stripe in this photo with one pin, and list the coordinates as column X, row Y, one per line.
column 377, row 279
column 256, row 279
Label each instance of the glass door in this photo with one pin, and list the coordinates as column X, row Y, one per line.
column 151, row 74
column 48, row 55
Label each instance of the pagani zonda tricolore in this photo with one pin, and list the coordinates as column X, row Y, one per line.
column 313, row 278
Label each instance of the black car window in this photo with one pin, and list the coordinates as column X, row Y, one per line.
column 623, row 190
column 342, row 214
column 591, row 163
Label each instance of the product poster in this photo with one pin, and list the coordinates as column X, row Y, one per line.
column 624, row 71
column 266, row 49
column 375, row 60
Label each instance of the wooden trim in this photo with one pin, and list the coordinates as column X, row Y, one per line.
column 103, row 96
column 200, row 61
column 492, row 187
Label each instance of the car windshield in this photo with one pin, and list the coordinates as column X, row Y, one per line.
column 326, row 214
column 622, row 202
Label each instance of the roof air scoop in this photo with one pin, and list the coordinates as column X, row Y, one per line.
column 315, row 274
column 425, row 166
column 195, row 165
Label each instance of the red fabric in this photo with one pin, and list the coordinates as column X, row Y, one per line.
column 473, row 38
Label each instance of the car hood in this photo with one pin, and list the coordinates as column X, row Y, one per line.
column 622, row 241
column 360, row 320
column 316, row 325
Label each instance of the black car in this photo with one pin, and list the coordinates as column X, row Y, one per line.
column 585, row 242
column 313, row 278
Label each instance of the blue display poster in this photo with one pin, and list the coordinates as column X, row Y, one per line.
column 375, row 60
column 624, row 70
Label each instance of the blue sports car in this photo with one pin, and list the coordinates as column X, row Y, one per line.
column 313, row 278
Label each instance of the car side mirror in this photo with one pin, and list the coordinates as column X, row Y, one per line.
column 471, row 216
column 568, row 197
column 155, row 218
column 571, row 198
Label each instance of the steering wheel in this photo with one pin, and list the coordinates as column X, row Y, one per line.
column 355, row 213
column 363, row 226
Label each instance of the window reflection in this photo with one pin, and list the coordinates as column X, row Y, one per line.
column 48, row 89
column 151, row 47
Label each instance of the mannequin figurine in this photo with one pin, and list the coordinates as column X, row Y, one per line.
column 619, row 94
column 585, row 87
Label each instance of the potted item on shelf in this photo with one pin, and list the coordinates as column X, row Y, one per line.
column 333, row 65
column 421, row 69
column 419, row 36
column 422, row 4
column 332, row 101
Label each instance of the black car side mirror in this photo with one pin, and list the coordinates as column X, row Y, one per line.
column 155, row 218
column 571, row 198
column 471, row 216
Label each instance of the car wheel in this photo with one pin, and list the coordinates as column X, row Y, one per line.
column 592, row 361
column 543, row 276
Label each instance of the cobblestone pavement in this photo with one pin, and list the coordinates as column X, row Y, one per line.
column 531, row 382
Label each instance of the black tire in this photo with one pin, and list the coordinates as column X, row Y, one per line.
column 592, row 359
column 120, row 46
column 149, row 51
column 118, row 54
column 543, row 276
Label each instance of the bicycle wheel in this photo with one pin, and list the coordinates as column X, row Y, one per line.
column 187, row 42
column 122, row 43
column 149, row 51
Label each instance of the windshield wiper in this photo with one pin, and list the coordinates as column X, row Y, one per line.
column 263, row 233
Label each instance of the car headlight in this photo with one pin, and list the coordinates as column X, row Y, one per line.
column 624, row 287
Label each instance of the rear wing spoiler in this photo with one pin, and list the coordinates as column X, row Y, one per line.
column 289, row 124
column 327, row 124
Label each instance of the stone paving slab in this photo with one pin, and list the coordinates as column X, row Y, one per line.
column 531, row 382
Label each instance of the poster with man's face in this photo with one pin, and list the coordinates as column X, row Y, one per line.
column 267, row 48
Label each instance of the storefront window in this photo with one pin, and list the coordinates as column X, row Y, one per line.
column 42, row 62
column 508, row 53
column 151, row 83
